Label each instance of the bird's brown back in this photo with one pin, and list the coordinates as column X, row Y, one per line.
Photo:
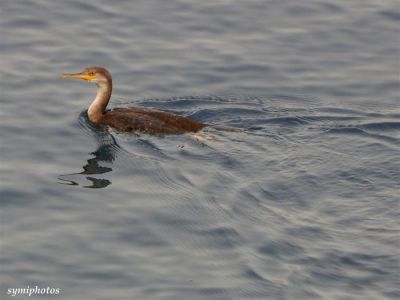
column 149, row 121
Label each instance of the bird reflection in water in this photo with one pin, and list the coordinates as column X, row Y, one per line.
column 92, row 168
column 107, row 151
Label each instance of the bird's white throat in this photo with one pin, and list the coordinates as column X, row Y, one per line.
column 99, row 104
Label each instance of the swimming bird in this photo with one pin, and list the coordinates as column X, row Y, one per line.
column 137, row 120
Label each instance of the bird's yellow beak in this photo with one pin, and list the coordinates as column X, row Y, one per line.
column 79, row 76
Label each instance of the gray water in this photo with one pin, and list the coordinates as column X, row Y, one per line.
column 303, row 204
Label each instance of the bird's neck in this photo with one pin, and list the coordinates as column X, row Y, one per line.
column 99, row 104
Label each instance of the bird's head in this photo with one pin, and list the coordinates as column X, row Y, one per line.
column 96, row 75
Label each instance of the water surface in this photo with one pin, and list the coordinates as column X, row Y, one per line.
column 303, row 204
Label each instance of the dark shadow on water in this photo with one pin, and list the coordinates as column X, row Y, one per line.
column 106, row 152
column 92, row 167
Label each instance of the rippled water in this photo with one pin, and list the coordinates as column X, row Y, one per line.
column 303, row 204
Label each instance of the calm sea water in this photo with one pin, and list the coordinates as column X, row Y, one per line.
column 303, row 204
